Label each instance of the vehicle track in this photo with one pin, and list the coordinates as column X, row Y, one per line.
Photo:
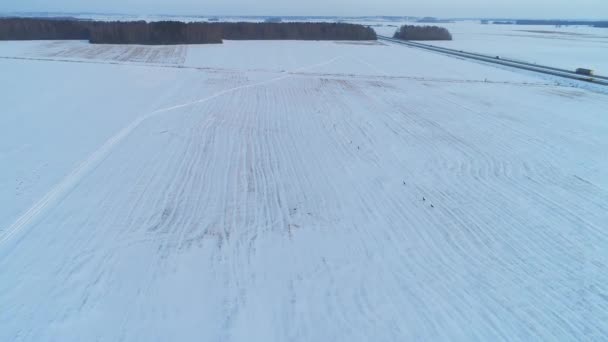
column 324, row 208
column 89, row 164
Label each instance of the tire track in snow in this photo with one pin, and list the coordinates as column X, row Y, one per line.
column 74, row 177
column 395, row 266
column 455, row 242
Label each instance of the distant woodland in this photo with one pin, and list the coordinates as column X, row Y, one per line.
column 414, row 32
column 154, row 33
column 296, row 31
column 431, row 20
column 42, row 29
column 563, row 23
column 173, row 32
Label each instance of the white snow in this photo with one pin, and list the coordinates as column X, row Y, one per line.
column 296, row 191
column 568, row 47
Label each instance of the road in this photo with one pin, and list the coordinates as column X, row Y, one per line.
column 596, row 79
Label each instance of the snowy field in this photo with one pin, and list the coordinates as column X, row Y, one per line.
column 567, row 47
column 296, row 191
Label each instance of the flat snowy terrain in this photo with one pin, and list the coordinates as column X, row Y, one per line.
column 296, row 191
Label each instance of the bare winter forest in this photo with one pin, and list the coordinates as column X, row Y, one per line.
column 413, row 32
column 173, row 32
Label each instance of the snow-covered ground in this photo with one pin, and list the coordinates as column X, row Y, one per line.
column 567, row 47
column 296, row 191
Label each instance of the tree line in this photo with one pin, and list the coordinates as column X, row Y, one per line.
column 562, row 22
column 154, row 33
column 42, row 29
column 173, row 32
column 414, row 32
column 296, row 31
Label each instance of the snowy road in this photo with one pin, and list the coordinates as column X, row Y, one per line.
column 327, row 192
column 570, row 74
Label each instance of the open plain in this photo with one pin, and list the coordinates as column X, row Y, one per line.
column 297, row 191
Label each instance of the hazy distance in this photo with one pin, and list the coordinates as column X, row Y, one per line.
column 562, row 9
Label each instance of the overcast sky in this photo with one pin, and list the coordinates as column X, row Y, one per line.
column 592, row 9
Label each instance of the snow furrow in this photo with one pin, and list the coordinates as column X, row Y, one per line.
column 325, row 207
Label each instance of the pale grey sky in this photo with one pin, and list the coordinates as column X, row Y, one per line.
column 592, row 9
